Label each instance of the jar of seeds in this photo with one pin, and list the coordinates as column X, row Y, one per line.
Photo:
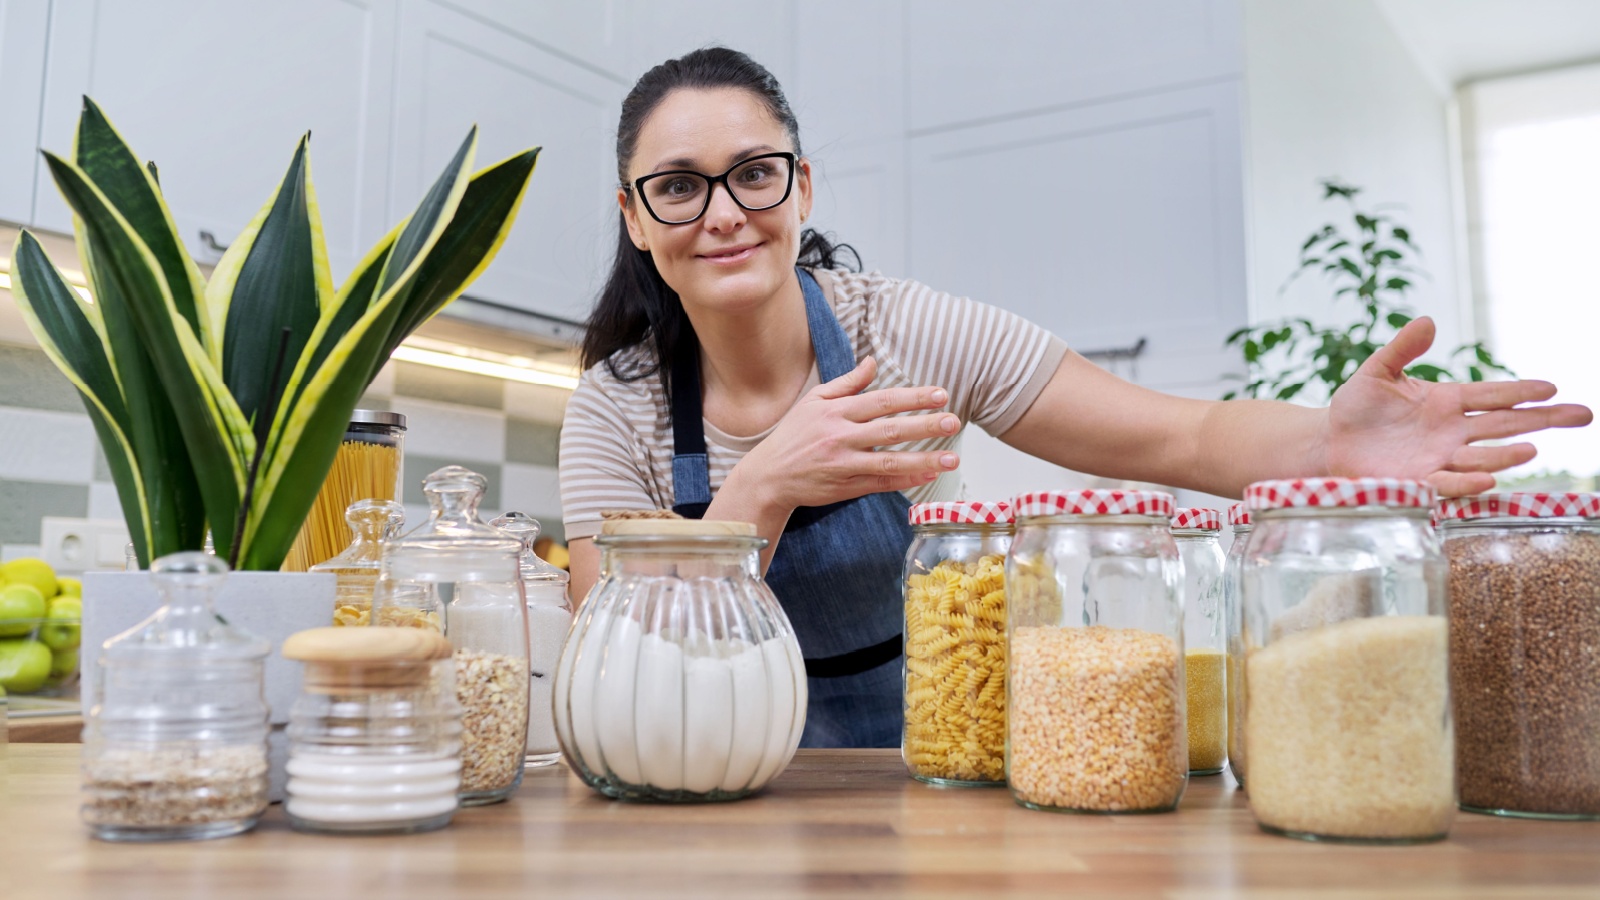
column 1094, row 632
column 1204, row 638
column 1233, row 621
column 1525, row 652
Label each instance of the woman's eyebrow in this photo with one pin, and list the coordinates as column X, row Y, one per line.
column 684, row 162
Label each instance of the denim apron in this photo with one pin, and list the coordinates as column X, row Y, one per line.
column 836, row 571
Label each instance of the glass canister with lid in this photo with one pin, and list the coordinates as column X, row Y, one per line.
column 375, row 736
column 1525, row 651
column 955, row 652
column 549, row 618
column 1094, row 674
column 355, row 571
column 1233, row 620
column 1196, row 532
column 681, row 679
column 1347, row 717
column 368, row 466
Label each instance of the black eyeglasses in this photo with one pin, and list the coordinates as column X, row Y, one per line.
column 682, row 195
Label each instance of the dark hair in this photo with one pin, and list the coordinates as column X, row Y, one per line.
column 636, row 305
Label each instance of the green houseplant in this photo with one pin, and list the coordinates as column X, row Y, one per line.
column 1371, row 263
column 223, row 403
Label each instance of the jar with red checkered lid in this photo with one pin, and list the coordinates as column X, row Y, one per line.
column 1347, row 717
column 1233, row 619
column 1196, row 532
column 1524, row 628
column 1094, row 677
column 955, row 663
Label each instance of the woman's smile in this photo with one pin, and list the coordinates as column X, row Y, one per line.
column 731, row 256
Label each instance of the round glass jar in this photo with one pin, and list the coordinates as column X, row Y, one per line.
column 681, row 679
column 1524, row 667
column 1233, row 621
column 1094, row 645
column 355, row 571
column 1347, row 702
column 549, row 618
column 1205, row 638
column 375, row 736
column 368, row 466
column 955, row 651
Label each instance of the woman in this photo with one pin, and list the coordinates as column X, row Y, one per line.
column 735, row 371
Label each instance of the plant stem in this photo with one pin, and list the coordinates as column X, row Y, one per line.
column 263, row 426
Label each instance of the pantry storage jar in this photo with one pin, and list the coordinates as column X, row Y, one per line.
column 1094, row 631
column 1196, row 532
column 955, row 652
column 1525, row 652
column 368, row 466
column 375, row 736
column 549, row 618
column 355, row 570
column 681, row 679
column 1347, row 705
column 1233, row 620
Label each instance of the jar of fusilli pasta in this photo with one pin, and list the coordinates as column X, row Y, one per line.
column 955, row 655
column 1095, row 715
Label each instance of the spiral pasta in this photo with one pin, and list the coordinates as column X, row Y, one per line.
column 955, row 671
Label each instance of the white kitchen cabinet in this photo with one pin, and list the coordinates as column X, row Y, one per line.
column 24, row 28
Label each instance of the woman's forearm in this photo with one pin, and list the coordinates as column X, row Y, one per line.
column 742, row 499
column 1242, row 441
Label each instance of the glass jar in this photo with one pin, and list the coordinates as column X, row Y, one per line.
column 1205, row 638
column 368, row 466
column 458, row 572
column 955, row 651
column 1524, row 633
column 1233, row 620
column 1094, row 669
column 175, row 746
column 1347, row 715
column 375, row 736
column 355, row 571
column 681, row 679
column 549, row 618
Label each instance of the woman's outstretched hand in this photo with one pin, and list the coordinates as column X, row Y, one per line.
column 1383, row 422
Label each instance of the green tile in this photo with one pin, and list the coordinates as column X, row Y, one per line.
column 433, row 383
column 533, row 442
column 417, row 468
column 29, row 379
column 24, row 503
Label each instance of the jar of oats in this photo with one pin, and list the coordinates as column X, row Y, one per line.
column 1347, row 704
column 1205, row 637
column 1094, row 673
column 1233, row 622
column 1524, row 629
column 955, row 651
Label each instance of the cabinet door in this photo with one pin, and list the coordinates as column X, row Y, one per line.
column 217, row 94
column 24, row 28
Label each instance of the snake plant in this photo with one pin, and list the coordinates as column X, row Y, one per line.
column 223, row 403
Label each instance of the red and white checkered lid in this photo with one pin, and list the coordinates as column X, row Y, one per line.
column 1539, row 506
column 1098, row 502
column 1196, row 518
column 1239, row 514
column 962, row 512
column 1303, row 493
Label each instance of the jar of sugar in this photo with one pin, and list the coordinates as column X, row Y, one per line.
column 375, row 736
column 549, row 617
column 681, row 678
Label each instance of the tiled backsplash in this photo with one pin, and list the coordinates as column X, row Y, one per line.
column 50, row 463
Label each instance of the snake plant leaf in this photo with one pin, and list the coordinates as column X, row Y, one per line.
column 431, row 216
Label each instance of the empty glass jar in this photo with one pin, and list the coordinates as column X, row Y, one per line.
column 549, row 618
column 1233, row 620
column 681, row 679
column 1205, row 638
column 176, row 745
column 355, row 570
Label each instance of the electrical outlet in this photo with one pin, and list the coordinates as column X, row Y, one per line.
column 77, row 545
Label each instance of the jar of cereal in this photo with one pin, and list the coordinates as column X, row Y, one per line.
column 1205, row 637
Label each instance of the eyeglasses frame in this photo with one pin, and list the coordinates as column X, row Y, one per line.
column 637, row 188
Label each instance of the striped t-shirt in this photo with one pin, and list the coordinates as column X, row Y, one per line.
column 616, row 442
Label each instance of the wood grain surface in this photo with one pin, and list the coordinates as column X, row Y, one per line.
column 837, row 823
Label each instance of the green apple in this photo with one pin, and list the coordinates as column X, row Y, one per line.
column 31, row 570
column 24, row 665
column 62, row 630
column 62, row 664
column 20, row 601
column 69, row 587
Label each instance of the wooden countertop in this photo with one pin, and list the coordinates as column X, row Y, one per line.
column 837, row 823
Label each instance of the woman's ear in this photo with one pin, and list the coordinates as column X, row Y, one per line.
column 630, row 216
column 802, row 177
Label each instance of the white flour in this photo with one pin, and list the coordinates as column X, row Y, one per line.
column 547, row 629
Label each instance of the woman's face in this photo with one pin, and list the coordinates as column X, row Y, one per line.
column 730, row 259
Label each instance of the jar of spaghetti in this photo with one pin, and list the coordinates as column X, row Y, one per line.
column 955, row 651
column 1205, row 638
column 1094, row 647
column 368, row 466
column 1233, row 622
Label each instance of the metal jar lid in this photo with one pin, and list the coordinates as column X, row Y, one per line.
column 378, row 417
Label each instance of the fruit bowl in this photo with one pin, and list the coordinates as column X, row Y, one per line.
column 39, row 655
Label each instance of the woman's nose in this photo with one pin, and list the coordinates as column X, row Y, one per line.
column 723, row 213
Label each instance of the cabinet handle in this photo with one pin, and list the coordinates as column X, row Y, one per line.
column 209, row 241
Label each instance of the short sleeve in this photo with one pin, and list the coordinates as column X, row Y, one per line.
column 599, row 469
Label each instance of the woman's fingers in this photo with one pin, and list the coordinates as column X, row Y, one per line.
column 1504, row 423
column 1389, row 361
column 905, row 468
column 850, row 383
column 892, row 401
column 1491, row 459
column 904, row 429
column 1461, row 484
column 1485, row 395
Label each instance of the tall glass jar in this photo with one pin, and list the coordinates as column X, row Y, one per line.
column 176, row 745
column 549, row 618
column 466, row 576
column 368, row 466
column 1094, row 670
column 375, row 736
column 1525, row 652
column 1347, row 717
column 1205, row 638
column 955, row 650
column 681, row 679
column 355, row 571
column 1233, row 619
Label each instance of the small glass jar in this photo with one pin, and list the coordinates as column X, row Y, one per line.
column 458, row 572
column 1233, row 620
column 681, row 679
column 1205, row 638
column 1525, row 652
column 355, row 571
column 1094, row 669
column 175, row 746
column 955, row 650
column 1347, row 717
column 375, row 736
column 549, row 619
column 368, row 466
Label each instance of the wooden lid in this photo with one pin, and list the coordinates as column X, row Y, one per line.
column 369, row 645
column 678, row 528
